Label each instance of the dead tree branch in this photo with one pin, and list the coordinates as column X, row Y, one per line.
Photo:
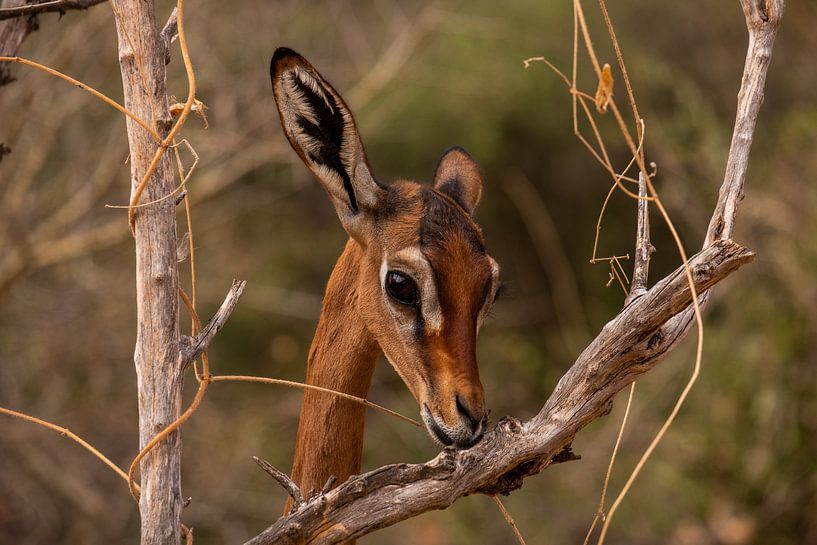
column 159, row 376
column 18, row 19
column 59, row 6
column 643, row 248
column 198, row 344
column 284, row 480
column 763, row 19
column 170, row 32
column 629, row 345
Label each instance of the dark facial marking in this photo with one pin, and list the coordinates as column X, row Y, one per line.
column 391, row 203
column 419, row 323
column 440, row 217
column 328, row 132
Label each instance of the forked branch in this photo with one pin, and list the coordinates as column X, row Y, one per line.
column 59, row 6
column 198, row 344
column 631, row 344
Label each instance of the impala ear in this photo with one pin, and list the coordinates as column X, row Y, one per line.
column 320, row 128
column 458, row 176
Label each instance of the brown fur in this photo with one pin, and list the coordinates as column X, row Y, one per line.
column 355, row 327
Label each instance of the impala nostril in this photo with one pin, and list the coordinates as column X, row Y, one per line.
column 465, row 411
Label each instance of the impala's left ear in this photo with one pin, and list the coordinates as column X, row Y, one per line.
column 458, row 176
column 320, row 128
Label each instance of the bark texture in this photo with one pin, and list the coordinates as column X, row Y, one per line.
column 12, row 34
column 158, row 369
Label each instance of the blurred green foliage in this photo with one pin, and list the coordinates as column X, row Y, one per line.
column 738, row 466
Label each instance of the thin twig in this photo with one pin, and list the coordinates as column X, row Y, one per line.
column 84, row 87
column 293, row 384
column 330, row 482
column 600, row 510
column 170, row 32
column 607, row 200
column 203, row 338
column 183, row 176
column 508, row 519
column 284, row 480
column 60, row 6
column 643, row 248
column 71, row 435
column 620, row 59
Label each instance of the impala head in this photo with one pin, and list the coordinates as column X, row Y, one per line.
column 424, row 282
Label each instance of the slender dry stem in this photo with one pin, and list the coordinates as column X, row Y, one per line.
column 509, row 519
column 71, row 435
column 101, row 96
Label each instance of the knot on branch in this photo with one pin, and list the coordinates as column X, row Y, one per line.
column 513, row 479
column 763, row 12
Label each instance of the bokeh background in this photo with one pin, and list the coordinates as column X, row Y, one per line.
column 738, row 467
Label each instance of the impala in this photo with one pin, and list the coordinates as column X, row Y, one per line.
column 414, row 282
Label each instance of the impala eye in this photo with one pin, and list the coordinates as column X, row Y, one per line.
column 401, row 288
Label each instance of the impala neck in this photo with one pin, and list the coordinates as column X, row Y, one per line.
column 342, row 358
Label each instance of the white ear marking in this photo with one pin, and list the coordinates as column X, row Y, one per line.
column 307, row 79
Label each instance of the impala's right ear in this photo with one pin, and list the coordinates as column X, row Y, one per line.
column 322, row 131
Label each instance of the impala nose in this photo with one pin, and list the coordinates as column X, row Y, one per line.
column 467, row 414
column 466, row 431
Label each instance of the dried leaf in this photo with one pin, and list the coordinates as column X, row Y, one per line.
column 198, row 108
column 183, row 248
column 605, row 91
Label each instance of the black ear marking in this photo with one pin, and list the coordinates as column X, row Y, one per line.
column 317, row 123
column 321, row 129
column 459, row 177
column 326, row 132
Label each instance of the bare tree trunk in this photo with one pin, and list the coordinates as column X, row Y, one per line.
column 158, row 369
